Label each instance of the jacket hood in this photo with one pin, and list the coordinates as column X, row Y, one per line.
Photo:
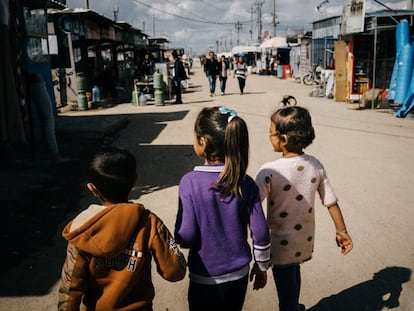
column 107, row 233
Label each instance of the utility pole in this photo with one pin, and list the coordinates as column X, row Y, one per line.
column 86, row 4
column 115, row 10
column 409, row 4
column 251, row 11
column 259, row 20
column 274, row 18
column 153, row 25
column 238, row 27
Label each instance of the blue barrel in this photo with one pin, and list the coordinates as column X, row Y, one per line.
column 402, row 38
column 405, row 69
column 96, row 94
column 279, row 71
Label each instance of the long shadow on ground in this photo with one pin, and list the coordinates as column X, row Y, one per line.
column 37, row 199
column 382, row 292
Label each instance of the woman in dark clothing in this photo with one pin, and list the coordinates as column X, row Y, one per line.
column 179, row 75
column 224, row 69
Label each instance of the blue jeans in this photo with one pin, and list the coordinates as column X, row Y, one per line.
column 212, row 82
column 223, row 81
column 287, row 281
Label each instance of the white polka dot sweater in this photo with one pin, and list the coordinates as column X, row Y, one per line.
column 290, row 185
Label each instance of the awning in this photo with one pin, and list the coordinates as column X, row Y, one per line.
column 274, row 42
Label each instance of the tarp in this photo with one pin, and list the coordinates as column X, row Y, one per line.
column 274, row 42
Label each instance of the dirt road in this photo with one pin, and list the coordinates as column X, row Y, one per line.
column 368, row 156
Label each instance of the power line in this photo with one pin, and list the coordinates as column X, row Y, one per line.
column 209, row 4
column 184, row 10
column 183, row 17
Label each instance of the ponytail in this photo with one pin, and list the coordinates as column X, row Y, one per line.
column 227, row 141
column 236, row 157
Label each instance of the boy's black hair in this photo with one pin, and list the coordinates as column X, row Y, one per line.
column 113, row 172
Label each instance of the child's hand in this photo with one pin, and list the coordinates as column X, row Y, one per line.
column 260, row 277
column 344, row 241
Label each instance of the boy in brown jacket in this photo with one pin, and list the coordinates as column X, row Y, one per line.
column 110, row 246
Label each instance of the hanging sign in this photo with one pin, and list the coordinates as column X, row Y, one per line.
column 353, row 16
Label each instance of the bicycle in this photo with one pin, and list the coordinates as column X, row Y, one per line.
column 312, row 75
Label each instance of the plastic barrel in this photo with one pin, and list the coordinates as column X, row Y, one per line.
column 405, row 67
column 402, row 38
column 96, row 96
column 287, row 73
column 408, row 103
column 279, row 71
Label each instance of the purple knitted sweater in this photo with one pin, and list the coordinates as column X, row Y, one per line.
column 216, row 229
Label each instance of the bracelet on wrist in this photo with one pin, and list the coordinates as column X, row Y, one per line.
column 342, row 232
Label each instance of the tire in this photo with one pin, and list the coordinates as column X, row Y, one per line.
column 307, row 79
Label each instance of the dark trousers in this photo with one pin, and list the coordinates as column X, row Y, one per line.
column 287, row 281
column 242, row 84
column 227, row 296
column 177, row 90
column 223, row 81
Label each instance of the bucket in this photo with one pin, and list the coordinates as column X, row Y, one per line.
column 287, row 73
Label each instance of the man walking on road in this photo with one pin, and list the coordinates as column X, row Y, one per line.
column 179, row 75
column 212, row 69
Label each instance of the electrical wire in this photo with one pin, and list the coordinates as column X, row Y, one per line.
column 184, row 10
column 186, row 18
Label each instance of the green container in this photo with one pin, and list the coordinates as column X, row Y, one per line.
column 158, row 80
column 159, row 97
column 82, row 101
column 80, row 82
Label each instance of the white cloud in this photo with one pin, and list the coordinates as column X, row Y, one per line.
column 199, row 24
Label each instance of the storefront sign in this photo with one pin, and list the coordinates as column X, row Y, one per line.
column 353, row 16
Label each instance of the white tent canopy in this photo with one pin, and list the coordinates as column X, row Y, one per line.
column 275, row 42
column 240, row 49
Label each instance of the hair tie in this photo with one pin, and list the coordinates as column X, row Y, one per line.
column 225, row 110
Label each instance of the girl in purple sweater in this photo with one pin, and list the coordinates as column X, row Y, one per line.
column 218, row 205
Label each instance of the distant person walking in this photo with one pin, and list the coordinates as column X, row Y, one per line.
column 224, row 73
column 212, row 69
column 218, row 205
column 147, row 67
column 179, row 75
column 240, row 72
column 290, row 184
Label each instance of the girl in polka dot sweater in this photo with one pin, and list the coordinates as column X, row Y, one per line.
column 290, row 185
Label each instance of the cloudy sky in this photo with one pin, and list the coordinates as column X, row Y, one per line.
column 200, row 25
